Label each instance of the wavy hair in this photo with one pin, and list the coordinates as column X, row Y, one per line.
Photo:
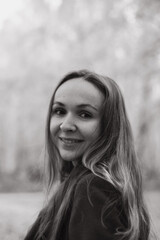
column 112, row 157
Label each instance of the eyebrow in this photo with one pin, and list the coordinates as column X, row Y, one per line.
column 79, row 106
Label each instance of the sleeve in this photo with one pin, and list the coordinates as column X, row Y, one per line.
column 87, row 221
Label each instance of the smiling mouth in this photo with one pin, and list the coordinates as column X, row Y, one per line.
column 70, row 140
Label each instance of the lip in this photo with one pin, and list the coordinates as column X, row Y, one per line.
column 70, row 141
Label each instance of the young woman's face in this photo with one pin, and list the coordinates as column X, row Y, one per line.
column 75, row 119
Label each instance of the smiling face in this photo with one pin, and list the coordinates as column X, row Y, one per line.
column 75, row 119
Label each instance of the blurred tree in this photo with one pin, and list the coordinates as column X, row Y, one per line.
column 46, row 39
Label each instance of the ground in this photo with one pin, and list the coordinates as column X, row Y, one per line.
column 19, row 210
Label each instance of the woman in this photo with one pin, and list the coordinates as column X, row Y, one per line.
column 91, row 154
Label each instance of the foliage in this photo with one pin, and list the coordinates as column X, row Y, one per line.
column 46, row 39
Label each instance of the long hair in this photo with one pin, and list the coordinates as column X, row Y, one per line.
column 112, row 157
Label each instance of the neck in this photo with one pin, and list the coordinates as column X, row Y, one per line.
column 76, row 162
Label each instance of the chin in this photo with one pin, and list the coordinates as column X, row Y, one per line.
column 69, row 157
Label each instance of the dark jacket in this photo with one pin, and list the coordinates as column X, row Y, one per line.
column 96, row 213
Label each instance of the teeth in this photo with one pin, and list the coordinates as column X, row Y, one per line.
column 69, row 140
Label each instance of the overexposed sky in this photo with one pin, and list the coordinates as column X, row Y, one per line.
column 10, row 8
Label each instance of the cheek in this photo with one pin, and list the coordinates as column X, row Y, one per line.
column 54, row 128
column 92, row 130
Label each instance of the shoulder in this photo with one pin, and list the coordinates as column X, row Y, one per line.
column 93, row 182
column 96, row 209
column 96, row 190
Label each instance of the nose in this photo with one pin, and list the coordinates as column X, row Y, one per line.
column 68, row 124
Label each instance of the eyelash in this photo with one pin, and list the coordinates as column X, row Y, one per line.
column 58, row 111
column 87, row 114
column 61, row 111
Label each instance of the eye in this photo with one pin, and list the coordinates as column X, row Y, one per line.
column 58, row 111
column 85, row 115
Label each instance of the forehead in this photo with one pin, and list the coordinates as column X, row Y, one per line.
column 79, row 91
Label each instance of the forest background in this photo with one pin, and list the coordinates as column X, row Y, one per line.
column 40, row 41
